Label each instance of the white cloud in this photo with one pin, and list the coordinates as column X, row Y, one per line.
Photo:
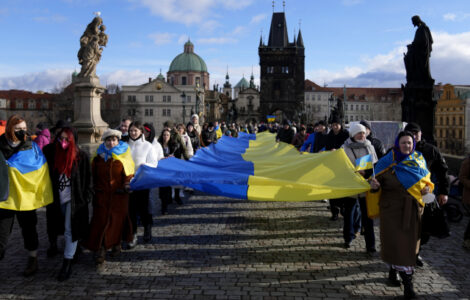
column 161, row 38
column 258, row 18
column 44, row 81
column 189, row 11
column 450, row 17
column 450, row 63
column 50, row 19
column 209, row 26
column 456, row 17
column 127, row 77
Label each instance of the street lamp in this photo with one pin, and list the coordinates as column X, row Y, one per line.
column 183, row 98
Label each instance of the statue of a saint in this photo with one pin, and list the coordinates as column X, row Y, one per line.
column 92, row 42
column 417, row 57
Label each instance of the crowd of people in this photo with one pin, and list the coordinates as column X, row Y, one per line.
column 117, row 211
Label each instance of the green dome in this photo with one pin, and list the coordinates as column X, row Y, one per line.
column 188, row 60
column 242, row 84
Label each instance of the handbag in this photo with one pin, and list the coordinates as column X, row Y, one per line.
column 434, row 221
column 372, row 203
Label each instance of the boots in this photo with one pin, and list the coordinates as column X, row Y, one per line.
column 31, row 267
column 393, row 277
column 66, row 270
column 177, row 197
column 409, row 293
column 133, row 243
column 147, row 233
column 116, row 251
column 100, row 256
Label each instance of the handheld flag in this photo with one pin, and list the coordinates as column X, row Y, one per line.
column 364, row 163
column 271, row 118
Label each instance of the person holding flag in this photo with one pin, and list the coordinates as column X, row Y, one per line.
column 29, row 188
column 362, row 155
column 112, row 169
column 403, row 179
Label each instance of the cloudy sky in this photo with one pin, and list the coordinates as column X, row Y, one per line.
column 352, row 42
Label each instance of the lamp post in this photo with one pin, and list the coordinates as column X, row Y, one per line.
column 183, row 98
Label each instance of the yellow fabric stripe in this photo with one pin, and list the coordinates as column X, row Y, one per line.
column 282, row 174
column 416, row 189
column 127, row 161
column 28, row 191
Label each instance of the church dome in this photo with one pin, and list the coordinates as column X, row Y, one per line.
column 188, row 61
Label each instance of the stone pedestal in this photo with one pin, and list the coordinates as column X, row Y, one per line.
column 87, row 112
column 418, row 106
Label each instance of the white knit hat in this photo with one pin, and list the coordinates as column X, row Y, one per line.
column 355, row 129
column 111, row 132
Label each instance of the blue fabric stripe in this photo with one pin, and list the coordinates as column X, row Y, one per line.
column 217, row 169
column 27, row 160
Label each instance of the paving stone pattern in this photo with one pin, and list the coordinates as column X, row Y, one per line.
column 219, row 248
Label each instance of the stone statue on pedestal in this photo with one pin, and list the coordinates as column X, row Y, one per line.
column 87, row 88
column 418, row 105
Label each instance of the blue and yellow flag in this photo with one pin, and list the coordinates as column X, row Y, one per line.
column 364, row 163
column 271, row 118
column 30, row 185
column 255, row 167
column 121, row 152
column 411, row 172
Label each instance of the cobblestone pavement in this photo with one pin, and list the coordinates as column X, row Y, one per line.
column 219, row 248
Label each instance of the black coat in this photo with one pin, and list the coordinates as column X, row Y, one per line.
column 208, row 137
column 335, row 141
column 194, row 137
column 378, row 146
column 436, row 165
column 285, row 135
column 82, row 193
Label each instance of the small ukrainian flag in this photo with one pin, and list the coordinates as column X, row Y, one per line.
column 364, row 163
column 271, row 118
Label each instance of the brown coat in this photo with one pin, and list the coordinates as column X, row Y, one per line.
column 110, row 205
column 400, row 222
column 464, row 177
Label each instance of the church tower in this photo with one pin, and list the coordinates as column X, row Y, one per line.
column 282, row 72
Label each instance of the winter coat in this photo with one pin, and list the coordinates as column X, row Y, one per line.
column 194, row 136
column 208, row 137
column 400, row 222
column 158, row 149
column 436, row 165
column 143, row 153
column 110, row 205
column 174, row 148
column 464, row 177
column 4, row 181
column 43, row 138
column 298, row 140
column 335, row 141
column 81, row 195
column 285, row 135
column 378, row 145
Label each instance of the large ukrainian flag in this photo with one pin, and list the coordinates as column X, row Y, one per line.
column 255, row 167
column 30, row 185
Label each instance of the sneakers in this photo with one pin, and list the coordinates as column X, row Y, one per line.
column 31, row 267
column 393, row 277
column 419, row 261
column 133, row 243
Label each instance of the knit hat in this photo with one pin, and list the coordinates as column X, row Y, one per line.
column 111, row 132
column 355, row 129
column 412, row 127
column 195, row 116
column 365, row 124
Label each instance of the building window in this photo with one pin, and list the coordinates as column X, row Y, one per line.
column 148, row 98
column 198, row 80
column 131, row 112
column 151, row 112
column 168, row 98
column 270, row 70
column 166, row 112
column 131, row 98
column 188, row 99
column 164, row 98
column 284, row 69
column 357, row 106
column 146, row 112
column 183, row 80
column 367, row 107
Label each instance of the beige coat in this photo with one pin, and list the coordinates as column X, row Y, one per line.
column 464, row 177
column 400, row 222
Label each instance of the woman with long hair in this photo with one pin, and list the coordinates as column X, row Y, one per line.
column 143, row 153
column 29, row 188
column 70, row 173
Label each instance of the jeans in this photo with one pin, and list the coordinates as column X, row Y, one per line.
column 367, row 224
column 352, row 219
column 70, row 245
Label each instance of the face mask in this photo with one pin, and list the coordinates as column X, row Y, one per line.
column 64, row 144
column 20, row 135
